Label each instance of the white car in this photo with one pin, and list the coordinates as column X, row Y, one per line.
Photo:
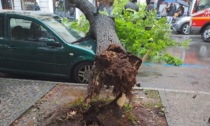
column 182, row 25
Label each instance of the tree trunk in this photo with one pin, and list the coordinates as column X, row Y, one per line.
column 112, row 65
column 101, row 27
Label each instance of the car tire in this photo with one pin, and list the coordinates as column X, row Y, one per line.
column 205, row 35
column 82, row 71
column 185, row 29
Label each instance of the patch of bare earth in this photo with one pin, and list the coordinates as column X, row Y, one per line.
column 54, row 109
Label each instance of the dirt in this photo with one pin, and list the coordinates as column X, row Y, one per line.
column 60, row 107
column 118, row 65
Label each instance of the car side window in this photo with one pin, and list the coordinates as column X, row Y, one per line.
column 204, row 4
column 28, row 31
column 19, row 29
column 1, row 27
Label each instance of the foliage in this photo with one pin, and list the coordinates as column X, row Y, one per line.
column 79, row 102
column 81, row 25
column 168, row 58
column 66, row 22
column 128, row 112
column 151, row 94
column 138, row 35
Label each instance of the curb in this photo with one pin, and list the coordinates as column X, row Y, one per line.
column 156, row 89
column 174, row 91
column 187, row 36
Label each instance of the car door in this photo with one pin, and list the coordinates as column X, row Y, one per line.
column 35, row 49
column 5, row 54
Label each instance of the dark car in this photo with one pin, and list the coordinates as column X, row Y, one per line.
column 38, row 43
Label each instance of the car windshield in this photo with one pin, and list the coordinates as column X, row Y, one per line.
column 201, row 5
column 68, row 34
column 204, row 2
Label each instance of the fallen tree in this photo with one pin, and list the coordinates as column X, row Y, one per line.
column 140, row 36
column 113, row 66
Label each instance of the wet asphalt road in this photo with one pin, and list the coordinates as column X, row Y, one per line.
column 193, row 75
column 198, row 52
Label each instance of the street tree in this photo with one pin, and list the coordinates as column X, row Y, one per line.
column 113, row 66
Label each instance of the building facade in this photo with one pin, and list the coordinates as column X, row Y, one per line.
column 45, row 5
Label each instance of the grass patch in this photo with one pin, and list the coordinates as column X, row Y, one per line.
column 152, row 94
column 153, row 100
column 128, row 112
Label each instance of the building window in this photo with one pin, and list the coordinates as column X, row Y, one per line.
column 7, row 4
column 28, row 4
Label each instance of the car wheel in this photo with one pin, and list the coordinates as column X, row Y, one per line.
column 186, row 29
column 82, row 71
column 205, row 35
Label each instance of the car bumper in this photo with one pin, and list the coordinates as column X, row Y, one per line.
column 175, row 27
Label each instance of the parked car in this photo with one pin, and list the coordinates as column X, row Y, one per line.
column 182, row 25
column 38, row 43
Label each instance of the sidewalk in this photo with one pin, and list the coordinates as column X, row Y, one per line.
column 17, row 95
column 185, row 95
column 184, row 92
column 182, row 108
column 186, row 108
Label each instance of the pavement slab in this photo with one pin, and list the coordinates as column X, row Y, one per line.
column 186, row 108
column 17, row 95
